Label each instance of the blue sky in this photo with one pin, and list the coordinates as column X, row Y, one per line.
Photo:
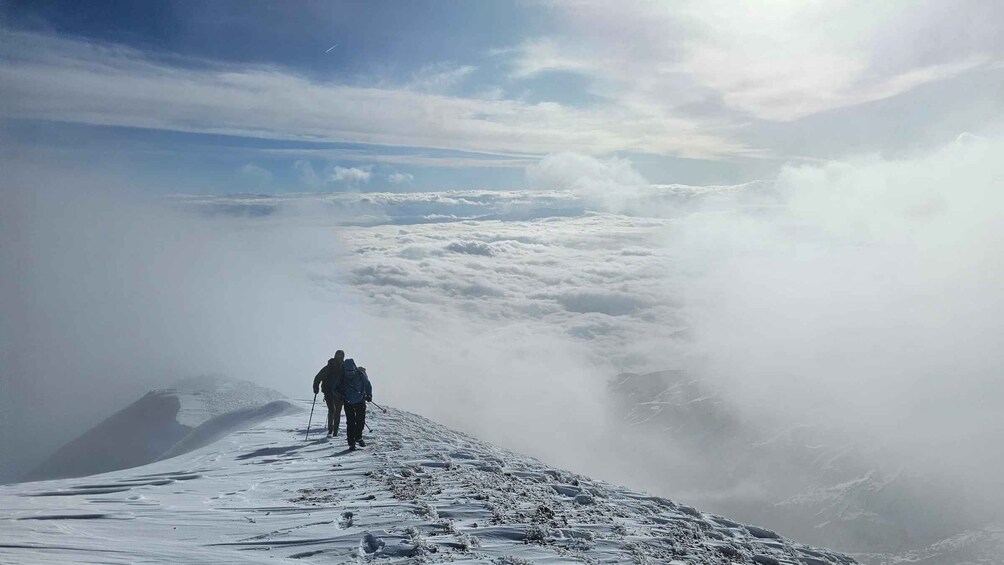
column 226, row 97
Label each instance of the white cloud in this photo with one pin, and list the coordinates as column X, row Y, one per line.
column 573, row 276
column 350, row 175
column 556, row 276
column 439, row 77
column 452, row 161
column 870, row 292
column 611, row 184
column 400, row 178
column 123, row 87
column 773, row 61
column 549, row 54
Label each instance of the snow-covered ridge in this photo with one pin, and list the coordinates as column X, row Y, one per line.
column 208, row 396
column 164, row 423
column 419, row 492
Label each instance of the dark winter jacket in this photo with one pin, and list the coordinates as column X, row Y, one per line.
column 327, row 376
column 354, row 386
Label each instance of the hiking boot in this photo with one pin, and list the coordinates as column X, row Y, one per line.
column 352, row 447
column 329, row 434
column 361, row 442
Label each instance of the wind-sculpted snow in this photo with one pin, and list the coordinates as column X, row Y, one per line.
column 419, row 492
column 215, row 428
column 165, row 422
column 208, row 396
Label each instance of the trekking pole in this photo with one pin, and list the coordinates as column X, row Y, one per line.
column 378, row 406
column 305, row 436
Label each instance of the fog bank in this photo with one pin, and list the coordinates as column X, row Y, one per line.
column 108, row 294
column 866, row 295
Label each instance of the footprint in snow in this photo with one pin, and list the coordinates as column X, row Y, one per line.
column 371, row 543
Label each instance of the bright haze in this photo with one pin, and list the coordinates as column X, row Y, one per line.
column 499, row 207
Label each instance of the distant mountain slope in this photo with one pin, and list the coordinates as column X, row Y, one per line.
column 823, row 493
column 418, row 493
column 975, row 547
column 135, row 436
column 147, row 429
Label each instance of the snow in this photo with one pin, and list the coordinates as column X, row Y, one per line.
column 189, row 414
column 419, row 492
column 208, row 396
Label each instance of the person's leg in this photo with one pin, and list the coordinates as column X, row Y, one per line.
column 329, row 401
column 360, row 421
column 350, row 424
column 338, row 417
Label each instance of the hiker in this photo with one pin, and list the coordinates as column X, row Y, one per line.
column 355, row 390
column 325, row 379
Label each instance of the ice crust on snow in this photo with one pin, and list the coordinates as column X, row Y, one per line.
column 419, row 492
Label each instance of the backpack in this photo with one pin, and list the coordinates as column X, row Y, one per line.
column 354, row 385
column 330, row 378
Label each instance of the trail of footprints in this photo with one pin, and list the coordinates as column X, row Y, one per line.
column 421, row 492
column 466, row 497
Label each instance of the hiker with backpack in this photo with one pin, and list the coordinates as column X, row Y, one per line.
column 355, row 391
column 325, row 380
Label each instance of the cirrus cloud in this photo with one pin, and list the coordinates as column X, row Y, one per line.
column 121, row 86
column 779, row 61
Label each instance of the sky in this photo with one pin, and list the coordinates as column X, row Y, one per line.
column 261, row 97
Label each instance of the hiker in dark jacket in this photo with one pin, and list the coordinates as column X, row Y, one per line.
column 325, row 380
column 355, row 390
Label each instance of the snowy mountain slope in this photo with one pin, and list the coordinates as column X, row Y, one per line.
column 805, row 487
column 158, row 423
column 209, row 396
column 133, row 436
column 976, row 547
column 418, row 492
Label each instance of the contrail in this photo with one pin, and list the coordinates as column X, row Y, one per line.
column 332, row 47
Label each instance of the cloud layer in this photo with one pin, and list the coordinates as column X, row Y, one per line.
column 852, row 288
